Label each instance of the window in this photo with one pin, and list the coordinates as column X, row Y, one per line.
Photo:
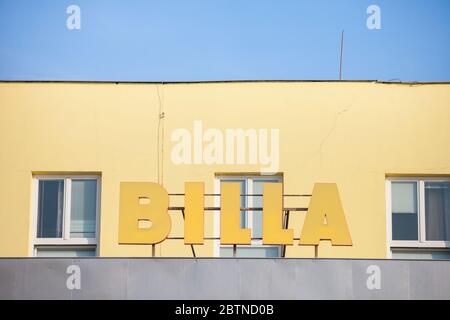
column 66, row 215
column 419, row 217
column 251, row 197
column 251, row 252
column 405, row 222
column 65, row 251
column 437, row 211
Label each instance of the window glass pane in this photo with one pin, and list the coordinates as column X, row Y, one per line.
column 65, row 252
column 437, row 211
column 419, row 254
column 83, row 208
column 251, row 252
column 404, row 211
column 258, row 203
column 243, row 218
column 50, row 208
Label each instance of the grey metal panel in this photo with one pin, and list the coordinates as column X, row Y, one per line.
column 102, row 279
column 44, row 279
column 266, row 277
column 161, row 278
column 11, row 279
column 281, row 272
column 429, row 281
column 395, row 280
column 324, row 279
column 222, row 278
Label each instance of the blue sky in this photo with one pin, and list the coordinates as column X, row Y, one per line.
column 179, row 40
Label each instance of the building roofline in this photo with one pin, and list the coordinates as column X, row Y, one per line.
column 226, row 81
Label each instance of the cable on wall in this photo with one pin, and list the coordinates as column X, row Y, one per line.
column 160, row 147
column 160, row 136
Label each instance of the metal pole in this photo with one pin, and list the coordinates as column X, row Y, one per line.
column 285, row 226
column 192, row 246
column 342, row 49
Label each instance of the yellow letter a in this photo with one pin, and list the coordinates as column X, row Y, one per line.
column 326, row 205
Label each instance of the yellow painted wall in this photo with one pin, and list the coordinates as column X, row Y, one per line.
column 350, row 133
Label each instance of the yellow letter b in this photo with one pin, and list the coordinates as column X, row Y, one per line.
column 143, row 217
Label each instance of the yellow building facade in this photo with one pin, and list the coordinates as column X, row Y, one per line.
column 359, row 135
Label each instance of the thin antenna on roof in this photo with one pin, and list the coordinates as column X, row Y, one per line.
column 342, row 49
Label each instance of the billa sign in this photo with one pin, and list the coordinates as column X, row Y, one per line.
column 146, row 202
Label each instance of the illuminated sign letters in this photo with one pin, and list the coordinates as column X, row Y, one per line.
column 144, row 217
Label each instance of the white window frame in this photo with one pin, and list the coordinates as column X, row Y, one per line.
column 64, row 248
column 421, row 242
column 249, row 204
column 65, row 241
